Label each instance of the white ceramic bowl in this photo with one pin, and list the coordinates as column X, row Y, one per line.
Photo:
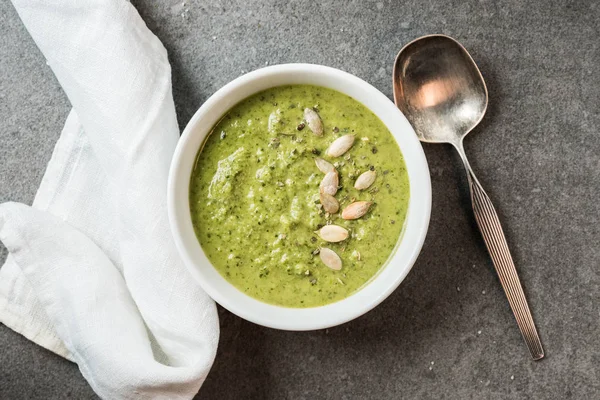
column 380, row 286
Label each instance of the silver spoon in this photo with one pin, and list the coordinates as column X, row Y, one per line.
column 442, row 93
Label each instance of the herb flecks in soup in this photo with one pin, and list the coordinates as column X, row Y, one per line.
column 299, row 196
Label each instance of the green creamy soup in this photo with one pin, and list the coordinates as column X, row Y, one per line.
column 255, row 205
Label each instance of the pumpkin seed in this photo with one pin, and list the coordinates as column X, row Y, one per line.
column 340, row 146
column 365, row 180
column 330, row 183
column 330, row 258
column 324, row 166
column 356, row 210
column 329, row 203
column 314, row 121
column 333, row 233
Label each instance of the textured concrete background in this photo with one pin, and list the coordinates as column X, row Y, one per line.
column 537, row 152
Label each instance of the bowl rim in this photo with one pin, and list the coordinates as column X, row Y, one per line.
column 387, row 279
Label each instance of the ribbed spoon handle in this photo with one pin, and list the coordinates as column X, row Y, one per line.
column 495, row 241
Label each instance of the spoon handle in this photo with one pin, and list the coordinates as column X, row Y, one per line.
column 495, row 241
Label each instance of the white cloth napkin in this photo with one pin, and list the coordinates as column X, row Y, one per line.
column 93, row 274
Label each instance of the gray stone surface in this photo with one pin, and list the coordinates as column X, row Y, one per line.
column 537, row 152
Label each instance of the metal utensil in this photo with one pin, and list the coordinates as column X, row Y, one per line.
column 442, row 93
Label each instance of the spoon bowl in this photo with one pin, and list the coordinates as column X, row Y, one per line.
column 439, row 88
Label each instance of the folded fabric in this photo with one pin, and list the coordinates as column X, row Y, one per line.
column 92, row 272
